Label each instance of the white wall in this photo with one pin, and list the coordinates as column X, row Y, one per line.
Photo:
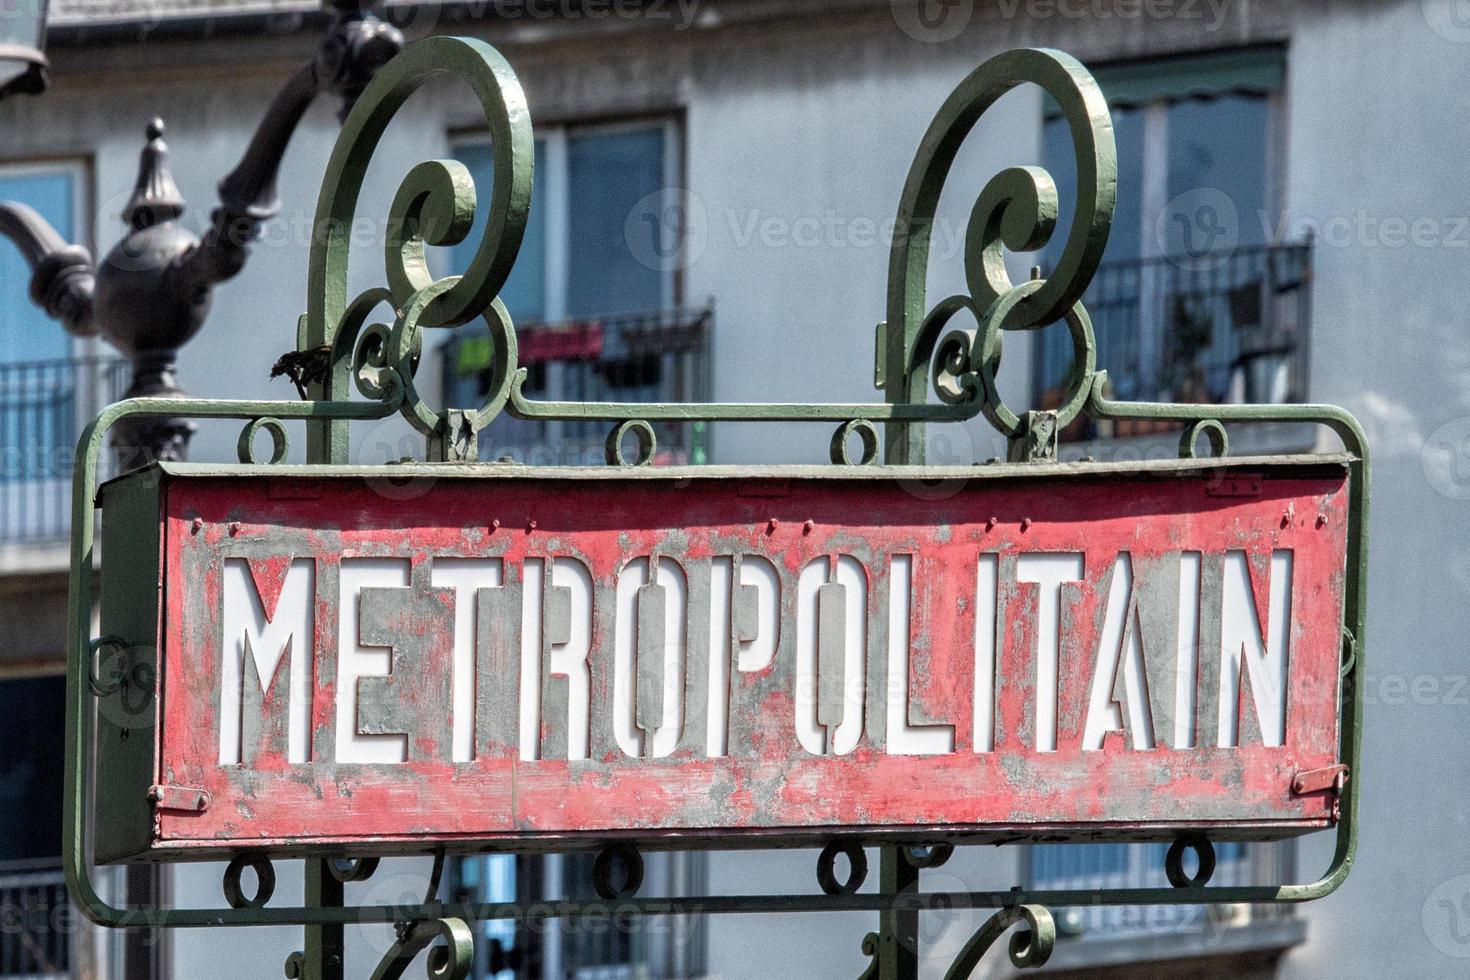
column 1380, row 131
column 799, row 148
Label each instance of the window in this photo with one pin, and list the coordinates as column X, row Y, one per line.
column 1088, row 867
column 576, row 261
column 46, row 393
column 595, row 307
column 35, row 942
column 1197, row 298
column 27, row 335
column 597, row 948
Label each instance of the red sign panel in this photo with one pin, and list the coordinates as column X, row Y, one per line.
column 517, row 657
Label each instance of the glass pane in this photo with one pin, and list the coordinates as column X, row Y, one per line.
column 1217, row 212
column 491, row 879
column 26, row 334
column 609, row 173
column 1217, row 156
column 34, row 710
column 1114, row 311
column 524, row 293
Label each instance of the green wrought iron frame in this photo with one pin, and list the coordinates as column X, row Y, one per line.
column 435, row 205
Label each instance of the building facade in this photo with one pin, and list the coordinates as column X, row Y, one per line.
column 716, row 183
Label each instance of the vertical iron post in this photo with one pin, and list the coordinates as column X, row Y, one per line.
column 326, row 949
column 898, row 925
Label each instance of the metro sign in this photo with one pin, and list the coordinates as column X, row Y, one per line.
column 507, row 657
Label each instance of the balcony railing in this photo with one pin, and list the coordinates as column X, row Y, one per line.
column 35, row 941
column 642, row 357
column 1219, row 327
column 1092, row 867
column 43, row 407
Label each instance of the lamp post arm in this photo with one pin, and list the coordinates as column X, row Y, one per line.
column 355, row 47
column 247, row 194
column 63, row 275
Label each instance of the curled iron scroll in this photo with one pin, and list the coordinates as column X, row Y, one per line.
column 435, row 205
column 1030, row 947
column 1016, row 210
column 453, row 960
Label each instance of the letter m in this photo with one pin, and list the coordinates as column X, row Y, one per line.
column 266, row 653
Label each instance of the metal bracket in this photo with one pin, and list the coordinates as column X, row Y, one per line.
column 1331, row 778
column 1038, row 441
column 179, row 799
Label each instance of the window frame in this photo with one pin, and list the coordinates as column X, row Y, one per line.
column 552, row 181
column 1266, row 72
column 553, row 194
column 81, row 168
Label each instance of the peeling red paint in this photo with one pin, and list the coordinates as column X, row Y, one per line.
column 767, row 784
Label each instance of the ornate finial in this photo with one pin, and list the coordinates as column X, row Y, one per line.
column 156, row 197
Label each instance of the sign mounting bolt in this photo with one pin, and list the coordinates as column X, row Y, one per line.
column 772, row 524
column 530, row 526
column 196, row 525
column 1026, row 523
column 234, row 528
column 495, row 524
column 806, row 528
column 990, row 523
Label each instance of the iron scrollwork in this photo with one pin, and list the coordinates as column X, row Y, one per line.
column 451, row 961
column 436, row 204
column 1030, row 946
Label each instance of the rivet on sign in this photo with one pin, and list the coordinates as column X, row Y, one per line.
column 1025, row 523
column 197, row 526
column 1321, row 520
column 495, row 524
column 772, row 524
column 234, row 528
column 806, row 528
column 531, row 525
column 990, row 523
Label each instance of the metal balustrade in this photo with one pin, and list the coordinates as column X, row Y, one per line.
column 1091, row 867
column 640, row 357
column 1224, row 327
column 35, row 938
column 43, row 407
